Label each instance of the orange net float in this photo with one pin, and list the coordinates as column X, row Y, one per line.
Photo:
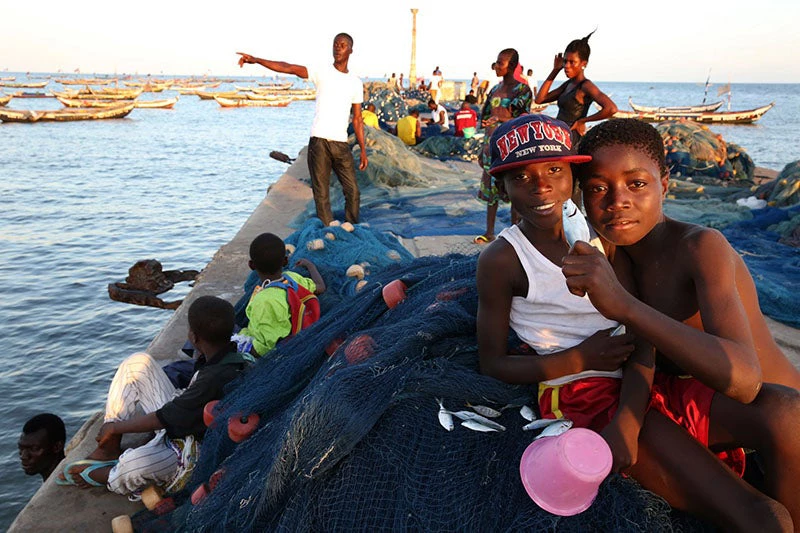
column 215, row 478
column 394, row 293
column 209, row 412
column 360, row 348
column 199, row 494
column 331, row 348
column 241, row 427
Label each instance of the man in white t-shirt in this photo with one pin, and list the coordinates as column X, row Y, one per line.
column 339, row 94
column 439, row 116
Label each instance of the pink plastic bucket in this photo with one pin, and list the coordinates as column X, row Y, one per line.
column 562, row 474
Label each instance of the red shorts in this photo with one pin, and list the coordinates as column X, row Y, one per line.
column 592, row 402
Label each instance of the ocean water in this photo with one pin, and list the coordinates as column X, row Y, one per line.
column 81, row 202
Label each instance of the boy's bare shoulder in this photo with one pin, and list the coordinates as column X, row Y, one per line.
column 696, row 243
column 499, row 253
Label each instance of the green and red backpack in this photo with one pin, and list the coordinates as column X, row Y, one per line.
column 303, row 304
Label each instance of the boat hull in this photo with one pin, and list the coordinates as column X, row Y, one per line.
column 65, row 115
column 748, row 116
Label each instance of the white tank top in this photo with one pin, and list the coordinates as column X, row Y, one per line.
column 550, row 318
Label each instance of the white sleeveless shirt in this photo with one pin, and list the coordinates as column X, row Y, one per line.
column 550, row 318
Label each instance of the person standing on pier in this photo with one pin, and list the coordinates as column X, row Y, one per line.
column 339, row 94
column 575, row 97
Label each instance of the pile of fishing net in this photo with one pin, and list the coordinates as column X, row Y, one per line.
column 695, row 151
column 349, row 438
column 389, row 105
column 785, row 189
column 451, row 147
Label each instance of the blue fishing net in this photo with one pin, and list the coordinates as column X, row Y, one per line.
column 349, row 438
column 775, row 267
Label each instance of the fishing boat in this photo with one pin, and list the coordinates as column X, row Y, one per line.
column 113, row 93
column 747, row 116
column 5, row 98
column 65, row 115
column 80, row 102
column 167, row 103
column 276, row 86
column 244, row 102
column 25, row 84
column 32, row 94
column 84, row 81
column 210, row 95
column 268, row 96
column 700, row 108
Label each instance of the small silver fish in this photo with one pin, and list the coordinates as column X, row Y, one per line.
column 445, row 418
column 527, row 413
column 539, row 424
column 477, row 426
column 485, row 411
column 619, row 330
column 475, row 417
column 575, row 226
column 554, row 430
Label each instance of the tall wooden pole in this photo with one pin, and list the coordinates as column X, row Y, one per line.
column 412, row 73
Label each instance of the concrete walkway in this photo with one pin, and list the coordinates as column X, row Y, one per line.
column 57, row 509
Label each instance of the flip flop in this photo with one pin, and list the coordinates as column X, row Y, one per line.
column 482, row 239
column 93, row 465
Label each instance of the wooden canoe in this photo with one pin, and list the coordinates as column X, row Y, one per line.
column 244, row 102
column 267, row 97
column 84, row 81
column 65, row 115
column 5, row 98
column 168, row 103
column 32, row 94
column 25, row 84
column 210, row 95
column 747, row 116
column 81, row 102
column 276, row 86
column 701, row 108
column 110, row 93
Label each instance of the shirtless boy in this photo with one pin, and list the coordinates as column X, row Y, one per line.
column 698, row 306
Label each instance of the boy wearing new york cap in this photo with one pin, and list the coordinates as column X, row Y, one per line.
column 584, row 374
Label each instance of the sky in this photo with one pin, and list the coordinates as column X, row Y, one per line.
column 675, row 41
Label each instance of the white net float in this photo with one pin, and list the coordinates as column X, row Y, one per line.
column 316, row 244
column 355, row 271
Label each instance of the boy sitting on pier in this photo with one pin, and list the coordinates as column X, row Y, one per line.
column 176, row 416
column 697, row 304
column 270, row 316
